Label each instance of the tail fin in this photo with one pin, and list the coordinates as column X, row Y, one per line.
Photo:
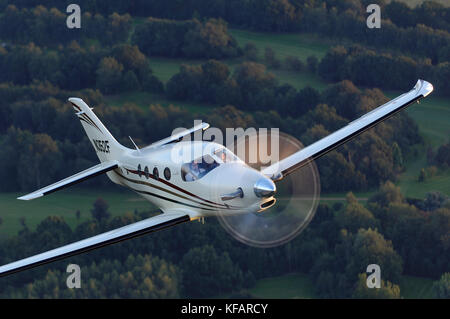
column 105, row 145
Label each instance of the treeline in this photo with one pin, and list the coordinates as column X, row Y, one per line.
column 368, row 68
column 190, row 38
column 169, row 38
column 112, row 69
column 47, row 27
column 419, row 40
column 429, row 13
column 195, row 260
column 136, row 277
column 338, row 19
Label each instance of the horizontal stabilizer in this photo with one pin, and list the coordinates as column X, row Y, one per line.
column 74, row 179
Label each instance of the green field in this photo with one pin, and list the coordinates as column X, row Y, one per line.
column 285, row 44
column 414, row 3
column 283, row 287
column 145, row 99
column 432, row 115
column 416, row 287
column 164, row 69
column 65, row 204
column 298, row 45
column 297, row 285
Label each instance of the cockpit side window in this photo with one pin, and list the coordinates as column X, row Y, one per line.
column 198, row 168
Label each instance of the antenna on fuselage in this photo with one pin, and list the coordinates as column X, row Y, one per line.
column 137, row 148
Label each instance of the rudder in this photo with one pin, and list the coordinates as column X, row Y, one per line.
column 105, row 145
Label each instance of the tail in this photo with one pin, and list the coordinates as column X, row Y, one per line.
column 105, row 145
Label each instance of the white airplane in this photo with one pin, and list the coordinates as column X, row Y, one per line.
column 183, row 191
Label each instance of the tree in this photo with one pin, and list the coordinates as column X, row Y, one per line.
column 345, row 97
column 312, row 63
column 306, row 99
column 271, row 59
column 386, row 291
column 397, row 156
column 118, row 29
column 325, row 115
column 109, row 75
column 442, row 158
column 210, row 40
column 255, row 85
column 441, row 288
column 433, row 200
column 100, row 210
column 207, row 273
column 137, row 277
column 387, row 194
column 295, row 64
column 250, row 52
column 52, row 232
column 356, row 216
column 130, row 81
column 400, row 14
column 331, row 66
column 422, row 175
column 367, row 247
column 39, row 162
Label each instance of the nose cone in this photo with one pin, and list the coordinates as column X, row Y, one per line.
column 264, row 187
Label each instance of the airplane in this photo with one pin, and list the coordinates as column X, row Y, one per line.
column 179, row 189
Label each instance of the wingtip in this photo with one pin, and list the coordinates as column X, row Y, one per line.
column 30, row 196
column 74, row 99
column 423, row 87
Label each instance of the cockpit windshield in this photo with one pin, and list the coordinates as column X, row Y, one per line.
column 225, row 155
column 198, row 168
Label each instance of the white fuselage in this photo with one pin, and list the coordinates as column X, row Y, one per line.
column 202, row 196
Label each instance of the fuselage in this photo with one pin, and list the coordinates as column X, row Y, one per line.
column 191, row 175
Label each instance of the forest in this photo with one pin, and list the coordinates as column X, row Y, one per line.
column 115, row 55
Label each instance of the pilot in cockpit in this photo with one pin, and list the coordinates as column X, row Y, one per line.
column 193, row 172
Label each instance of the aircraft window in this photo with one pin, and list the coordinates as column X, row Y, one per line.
column 156, row 173
column 139, row 170
column 198, row 168
column 167, row 173
column 147, row 175
column 226, row 155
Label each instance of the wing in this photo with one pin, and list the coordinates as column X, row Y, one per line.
column 310, row 153
column 140, row 228
column 74, row 179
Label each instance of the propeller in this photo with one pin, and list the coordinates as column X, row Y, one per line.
column 297, row 195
